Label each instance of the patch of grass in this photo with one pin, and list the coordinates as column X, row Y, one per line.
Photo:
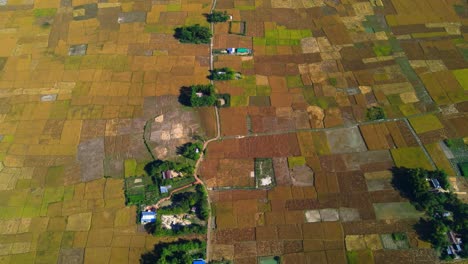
column 396, row 211
column 382, row 50
column 245, row 7
column 248, row 64
column 294, row 81
column 263, row 90
column 309, row 94
column 462, row 77
column 352, row 257
column 439, row 158
column 399, row 236
column 411, row 157
column 425, row 123
column 173, row 7
column 332, row 81
column 305, row 33
column 463, row 166
column 8, row 139
column 259, row 41
column 408, row 109
column 45, row 12
column 130, row 166
column 296, row 161
column 239, row 100
column 152, row 28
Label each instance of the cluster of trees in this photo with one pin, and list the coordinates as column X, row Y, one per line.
column 191, row 150
column 217, row 17
column 223, row 74
column 157, row 230
column 178, row 252
column 413, row 184
column 202, row 95
column 155, row 167
column 183, row 203
column 375, row 113
column 195, row 34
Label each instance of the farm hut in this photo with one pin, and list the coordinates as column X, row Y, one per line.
column 148, row 217
column 242, row 51
column 198, row 261
column 164, row 189
column 231, row 50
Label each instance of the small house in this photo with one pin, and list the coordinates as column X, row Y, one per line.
column 148, row 217
column 198, row 261
column 231, row 50
column 199, row 94
column 435, row 183
column 164, row 189
column 166, row 175
column 169, row 174
column 453, row 238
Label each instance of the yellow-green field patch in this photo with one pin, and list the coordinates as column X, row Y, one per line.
column 296, row 161
column 425, row 123
column 396, row 211
column 462, row 77
column 439, row 158
column 130, row 167
column 412, row 157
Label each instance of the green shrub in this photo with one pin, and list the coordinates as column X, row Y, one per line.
column 463, row 168
column 195, row 34
column 223, row 74
column 217, row 17
column 375, row 113
column 399, row 236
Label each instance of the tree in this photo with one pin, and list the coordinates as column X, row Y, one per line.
column 195, row 34
column 202, row 95
column 223, row 74
column 434, row 231
column 181, row 251
column 217, row 16
column 375, row 113
column 191, row 150
column 157, row 166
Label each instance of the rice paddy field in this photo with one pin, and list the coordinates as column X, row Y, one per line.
column 83, row 82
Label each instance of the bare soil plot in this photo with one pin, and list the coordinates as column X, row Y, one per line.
column 345, row 140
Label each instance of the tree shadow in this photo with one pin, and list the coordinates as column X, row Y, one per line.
column 184, row 96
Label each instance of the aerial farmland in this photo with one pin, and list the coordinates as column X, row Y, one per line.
column 233, row 131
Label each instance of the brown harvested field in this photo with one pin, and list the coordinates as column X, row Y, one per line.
column 208, row 121
column 253, row 147
column 233, row 121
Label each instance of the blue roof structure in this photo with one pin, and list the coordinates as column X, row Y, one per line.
column 198, row 261
column 148, row 217
column 435, row 183
column 163, row 189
